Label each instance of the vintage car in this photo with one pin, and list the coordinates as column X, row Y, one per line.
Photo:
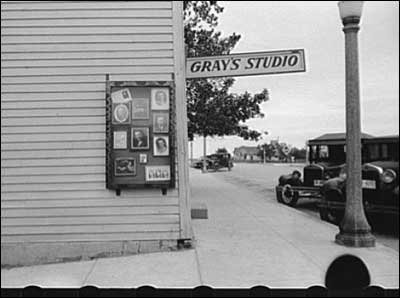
column 380, row 182
column 327, row 157
column 215, row 162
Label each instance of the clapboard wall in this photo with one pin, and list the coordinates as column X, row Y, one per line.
column 54, row 59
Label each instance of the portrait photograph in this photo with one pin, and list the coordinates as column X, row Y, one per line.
column 161, row 145
column 143, row 158
column 159, row 99
column 120, row 96
column 120, row 113
column 140, row 138
column 160, row 122
column 120, row 139
column 140, row 108
column 125, row 166
column 158, row 173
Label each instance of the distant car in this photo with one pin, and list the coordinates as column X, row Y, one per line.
column 326, row 157
column 380, row 174
column 215, row 162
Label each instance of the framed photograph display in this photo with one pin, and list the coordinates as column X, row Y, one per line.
column 160, row 122
column 159, row 99
column 120, row 139
column 160, row 145
column 140, row 135
column 140, row 108
column 158, row 173
column 125, row 166
column 121, row 96
column 121, row 113
column 140, row 138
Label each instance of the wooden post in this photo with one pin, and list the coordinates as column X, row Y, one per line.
column 354, row 229
column 181, row 121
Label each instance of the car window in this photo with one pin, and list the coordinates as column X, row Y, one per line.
column 313, row 153
column 373, row 151
column 385, row 154
column 323, row 152
column 382, row 152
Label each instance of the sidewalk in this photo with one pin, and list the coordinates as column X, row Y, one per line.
column 247, row 240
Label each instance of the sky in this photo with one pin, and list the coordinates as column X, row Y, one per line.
column 306, row 105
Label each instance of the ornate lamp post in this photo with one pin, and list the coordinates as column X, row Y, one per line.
column 354, row 229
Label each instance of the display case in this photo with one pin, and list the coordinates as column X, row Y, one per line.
column 140, row 140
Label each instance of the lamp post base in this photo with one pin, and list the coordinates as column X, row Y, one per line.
column 355, row 239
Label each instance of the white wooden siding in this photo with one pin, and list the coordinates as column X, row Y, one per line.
column 54, row 59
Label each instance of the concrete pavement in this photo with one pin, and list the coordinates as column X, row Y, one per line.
column 247, row 240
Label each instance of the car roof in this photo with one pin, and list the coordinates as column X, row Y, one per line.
column 334, row 139
column 383, row 139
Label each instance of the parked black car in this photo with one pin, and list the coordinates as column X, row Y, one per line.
column 215, row 162
column 327, row 157
column 380, row 174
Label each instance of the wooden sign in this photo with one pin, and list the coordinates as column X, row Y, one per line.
column 246, row 64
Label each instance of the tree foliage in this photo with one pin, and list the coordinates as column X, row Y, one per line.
column 276, row 149
column 212, row 109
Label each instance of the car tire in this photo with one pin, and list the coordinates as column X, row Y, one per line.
column 289, row 196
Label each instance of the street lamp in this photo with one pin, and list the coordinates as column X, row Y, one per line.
column 354, row 228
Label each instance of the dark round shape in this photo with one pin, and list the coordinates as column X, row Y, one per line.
column 347, row 272
column 146, row 291
column 88, row 291
column 32, row 291
column 203, row 291
column 260, row 291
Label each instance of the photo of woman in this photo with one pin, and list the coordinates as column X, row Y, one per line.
column 161, row 145
column 159, row 99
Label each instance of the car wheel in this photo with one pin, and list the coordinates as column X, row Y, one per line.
column 289, row 196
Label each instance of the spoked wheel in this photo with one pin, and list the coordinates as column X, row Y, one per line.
column 289, row 196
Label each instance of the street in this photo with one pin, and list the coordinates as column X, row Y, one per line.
column 263, row 178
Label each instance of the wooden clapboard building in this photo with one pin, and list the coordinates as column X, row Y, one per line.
column 55, row 56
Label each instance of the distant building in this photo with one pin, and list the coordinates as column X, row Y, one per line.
column 245, row 153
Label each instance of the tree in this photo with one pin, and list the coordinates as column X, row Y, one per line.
column 268, row 149
column 299, row 154
column 212, row 109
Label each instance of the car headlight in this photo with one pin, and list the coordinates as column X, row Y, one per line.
column 388, row 176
